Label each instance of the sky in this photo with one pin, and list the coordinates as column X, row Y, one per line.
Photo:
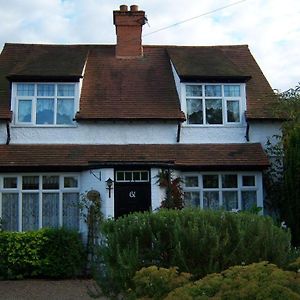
column 271, row 28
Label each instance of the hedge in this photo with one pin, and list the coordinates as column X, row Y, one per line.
column 49, row 253
column 196, row 241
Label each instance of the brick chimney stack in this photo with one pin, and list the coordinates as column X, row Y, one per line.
column 129, row 31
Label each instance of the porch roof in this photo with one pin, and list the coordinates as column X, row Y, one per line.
column 75, row 157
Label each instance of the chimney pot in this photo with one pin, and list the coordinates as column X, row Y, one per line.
column 134, row 8
column 123, row 8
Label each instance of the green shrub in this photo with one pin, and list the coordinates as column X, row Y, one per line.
column 295, row 266
column 196, row 241
column 256, row 281
column 56, row 253
column 154, row 282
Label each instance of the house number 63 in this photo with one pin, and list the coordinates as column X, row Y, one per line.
column 132, row 194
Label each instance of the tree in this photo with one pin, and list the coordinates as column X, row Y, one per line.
column 283, row 182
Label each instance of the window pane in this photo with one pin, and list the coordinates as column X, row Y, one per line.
column 51, row 182
column 24, row 111
column 50, row 210
column 213, row 111
column 128, row 176
column 213, row 91
column 210, row 181
column 233, row 111
column 248, row 199
column 67, row 90
column 25, row 89
column 145, row 175
column 30, row 211
column 191, row 199
column 120, row 176
column 211, row 200
column 10, row 212
column 232, row 91
column 45, row 111
column 65, row 111
column 230, row 200
column 194, row 111
column 248, row 180
column 194, row 90
column 71, row 210
column 70, row 182
column 30, row 182
column 191, row 181
column 10, row 182
column 136, row 176
column 45, row 90
column 229, row 181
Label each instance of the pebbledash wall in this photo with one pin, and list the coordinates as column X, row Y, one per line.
column 139, row 133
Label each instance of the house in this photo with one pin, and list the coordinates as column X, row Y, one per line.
column 75, row 118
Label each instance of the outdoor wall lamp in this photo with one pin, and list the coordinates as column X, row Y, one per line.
column 109, row 184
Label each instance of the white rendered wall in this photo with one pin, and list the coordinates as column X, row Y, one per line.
column 95, row 180
column 216, row 134
column 261, row 132
column 97, row 133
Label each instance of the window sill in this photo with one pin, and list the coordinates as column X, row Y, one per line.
column 43, row 126
column 239, row 125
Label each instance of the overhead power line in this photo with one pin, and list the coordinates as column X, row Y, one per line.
column 192, row 18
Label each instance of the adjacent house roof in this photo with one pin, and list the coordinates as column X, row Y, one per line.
column 15, row 158
column 137, row 88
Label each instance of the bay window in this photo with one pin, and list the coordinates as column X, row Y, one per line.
column 213, row 104
column 229, row 191
column 45, row 103
column 30, row 202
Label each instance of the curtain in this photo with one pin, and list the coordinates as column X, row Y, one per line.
column 71, row 210
column 30, row 211
column 50, row 209
column 10, row 211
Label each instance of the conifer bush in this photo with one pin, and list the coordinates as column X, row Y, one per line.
column 196, row 241
column 256, row 281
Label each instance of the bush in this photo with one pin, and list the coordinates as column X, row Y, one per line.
column 255, row 281
column 55, row 253
column 154, row 283
column 196, row 241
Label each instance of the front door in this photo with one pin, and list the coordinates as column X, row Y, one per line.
column 132, row 191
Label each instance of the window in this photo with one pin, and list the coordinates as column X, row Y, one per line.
column 213, row 104
column 31, row 202
column 45, row 103
column 132, row 176
column 229, row 191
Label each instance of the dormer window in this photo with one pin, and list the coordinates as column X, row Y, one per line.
column 44, row 103
column 213, row 104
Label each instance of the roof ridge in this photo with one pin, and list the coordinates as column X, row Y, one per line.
column 109, row 45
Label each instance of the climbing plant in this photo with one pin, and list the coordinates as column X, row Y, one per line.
column 172, row 185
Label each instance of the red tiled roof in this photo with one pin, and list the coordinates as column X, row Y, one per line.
column 77, row 157
column 139, row 88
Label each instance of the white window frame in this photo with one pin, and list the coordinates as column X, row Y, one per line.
column 240, row 188
column 132, row 171
column 61, row 190
column 15, row 104
column 241, row 99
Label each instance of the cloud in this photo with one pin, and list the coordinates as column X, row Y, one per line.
column 271, row 28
